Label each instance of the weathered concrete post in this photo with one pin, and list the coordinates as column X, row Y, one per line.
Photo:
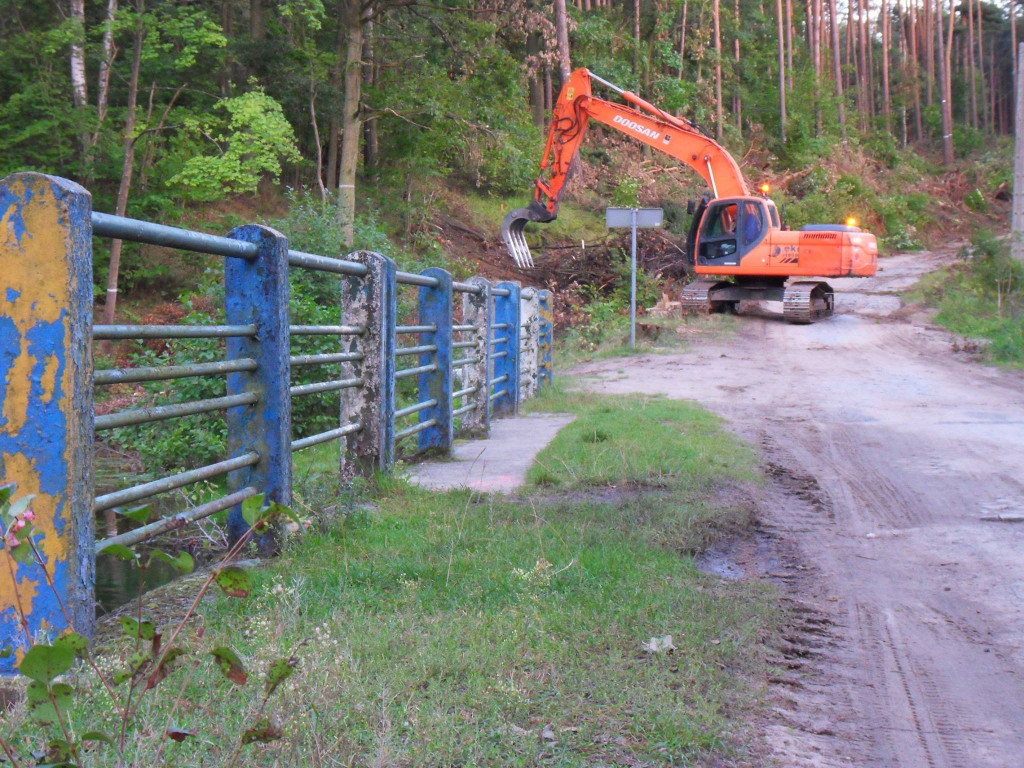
column 370, row 303
column 546, row 333
column 476, row 311
column 46, row 409
column 435, row 308
column 529, row 308
column 256, row 292
column 505, row 398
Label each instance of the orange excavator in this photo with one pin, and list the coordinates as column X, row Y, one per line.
column 736, row 239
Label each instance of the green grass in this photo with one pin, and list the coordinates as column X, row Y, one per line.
column 452, row 628
column 981, row 298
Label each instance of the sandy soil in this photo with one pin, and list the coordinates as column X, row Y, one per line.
column 887, row 450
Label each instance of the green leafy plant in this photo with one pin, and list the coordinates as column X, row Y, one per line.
column 155, row 653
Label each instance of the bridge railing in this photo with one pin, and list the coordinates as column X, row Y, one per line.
column 466, row 360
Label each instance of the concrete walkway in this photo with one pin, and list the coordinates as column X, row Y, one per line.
column 497, row 464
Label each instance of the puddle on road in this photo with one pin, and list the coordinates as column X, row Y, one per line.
column 741, row 558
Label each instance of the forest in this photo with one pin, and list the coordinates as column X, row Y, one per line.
column 381, row 110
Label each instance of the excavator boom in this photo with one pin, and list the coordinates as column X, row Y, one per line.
column 639, row 119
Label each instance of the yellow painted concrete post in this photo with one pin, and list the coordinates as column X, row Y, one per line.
column 46, row 409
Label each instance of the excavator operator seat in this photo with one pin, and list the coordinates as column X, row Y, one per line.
column 731, row 229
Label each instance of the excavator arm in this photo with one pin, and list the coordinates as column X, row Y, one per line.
column 639, row 119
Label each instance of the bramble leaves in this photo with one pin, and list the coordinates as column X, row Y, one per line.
column 280, row 671
column 138, row 514
column 135, row 664
column 234, row 581
column 120, row 551
column 182, row 562
column 141, row 630
column 166, row 666
column 179, row 734
column 265, row 730
column 229, row 663
column 74, row 642
column 45, row 662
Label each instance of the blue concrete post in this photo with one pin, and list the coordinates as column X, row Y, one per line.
column 46, row 409
column 371, row 303
column 477, row 311
column 506, row 355
column 435, row 308
column 547, row 326
column 256, row 292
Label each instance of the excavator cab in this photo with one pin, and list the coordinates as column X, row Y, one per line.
column 730, row 229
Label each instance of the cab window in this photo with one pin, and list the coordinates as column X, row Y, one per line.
column 753, row 223
column 718, row 234
column 775, row 216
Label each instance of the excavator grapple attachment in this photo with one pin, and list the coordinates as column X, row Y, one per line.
column 512, row 227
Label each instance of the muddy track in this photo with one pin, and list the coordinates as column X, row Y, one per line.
column 885, row 449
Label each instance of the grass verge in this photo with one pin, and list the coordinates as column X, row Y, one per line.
column 458, row 629
column 981, row 298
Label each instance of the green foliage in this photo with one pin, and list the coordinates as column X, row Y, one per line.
column 251, row 137
column 982, row 298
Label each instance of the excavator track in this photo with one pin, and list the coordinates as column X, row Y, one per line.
column 807, row 301
column 696, row 297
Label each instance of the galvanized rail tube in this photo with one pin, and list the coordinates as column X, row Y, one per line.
column 499, row 393
column 465, row 287
column 465, row 361
column 464, row 409
column 415, row 428
column 408, row 278
column 325, row 264
column 407, row 372
column 122, row 228
column 179, row 520
column 502, row 340
column 499, row 380
column 161, row 412
column 111, row 332
column 324, row 386
column 500, row 292
column 324, row 437
column 406, row 351
column 326, row 359
column 497, row 355
column 463, row 344
column 462, row 392
column 162, row 373
column 499, row 326
column 326, row 330
column 415, row 328
column 469, row 327
column 145, row 490
column 408, row 411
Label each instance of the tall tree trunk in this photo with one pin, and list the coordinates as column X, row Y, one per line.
column 837, row 71
column 533, row 51
column 737, row 100
column 257, row 24
column 106, row 62
column 128, row 167
column 970, row 64
column 944, row 66
column 863, row 95
column 227, row 25
column 79, row 91
column 789, row 43
column 870, row 38
column 636, row 36
column 782, row 71
column 929, row 36
column 718, row 69
column 351, row 121
column 549, row 96
column 886, row 105
column 682, row 41
column 981, row 69
column 1013, row 40
column 816, row 14
column 915, row 73
column 562, row 39
column 370, row 144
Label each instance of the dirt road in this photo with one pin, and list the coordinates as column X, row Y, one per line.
column 888, row 450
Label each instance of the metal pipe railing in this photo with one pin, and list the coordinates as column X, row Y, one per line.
column 327, row 330
column 406, row 351
column 179, row 520
column 161, row 412
column 408, row 278
column 465, row 287
column 136, row 231
column 464, row 409
column 415, row 328
column 145, row 490
column 409, row 431
column 463, row 392
column 130, row 375
column 112, row 332
column 465, row 361
column 407, row 372
column 325, row 359
column 324, row 386
column 325, row 264
column 324, row 437
column 463, row 327
column 409, row 410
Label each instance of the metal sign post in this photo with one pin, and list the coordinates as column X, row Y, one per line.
column 632, row 218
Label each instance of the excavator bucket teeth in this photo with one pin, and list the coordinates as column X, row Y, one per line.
column 512, row 232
